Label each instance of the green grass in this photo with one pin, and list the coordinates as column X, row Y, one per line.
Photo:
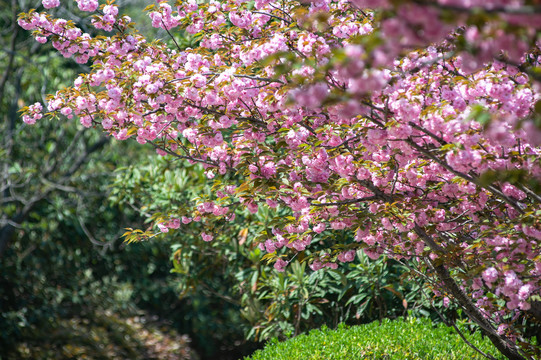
column 413, row 339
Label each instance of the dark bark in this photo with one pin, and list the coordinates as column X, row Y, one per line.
column 535, row 310
column 505, row 347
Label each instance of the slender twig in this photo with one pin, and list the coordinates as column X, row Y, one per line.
column 172, row 37
column 345, row 202
column 273, row 16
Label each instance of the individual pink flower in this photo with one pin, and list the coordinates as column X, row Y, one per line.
column 163, row 227
column 490, row 275
column 87, row 5
column 271, row 203
column 280, row 265
column 446, row 302
column 346, row 256
column 198, row 80
column 252, row 207
column 49, row 4
column 320, row 227
column 207, row 237
column 29, row 120
column 268, row 170
column 174, row 223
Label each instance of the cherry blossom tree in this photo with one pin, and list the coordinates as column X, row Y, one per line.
column 411, row 125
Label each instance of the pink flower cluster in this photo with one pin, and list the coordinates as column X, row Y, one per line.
column 33, row 114
column 171, row 224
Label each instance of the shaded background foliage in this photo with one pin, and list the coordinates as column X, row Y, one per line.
column 68, row 286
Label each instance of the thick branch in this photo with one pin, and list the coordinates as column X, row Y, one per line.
column 465, row 302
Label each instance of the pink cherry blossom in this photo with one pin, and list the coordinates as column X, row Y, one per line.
column 410, row 132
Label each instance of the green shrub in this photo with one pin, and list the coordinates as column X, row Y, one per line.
column 399, row 339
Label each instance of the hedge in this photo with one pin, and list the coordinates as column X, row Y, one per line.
column 411, row 339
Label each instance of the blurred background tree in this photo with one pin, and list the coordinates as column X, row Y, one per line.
column 68, row 285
